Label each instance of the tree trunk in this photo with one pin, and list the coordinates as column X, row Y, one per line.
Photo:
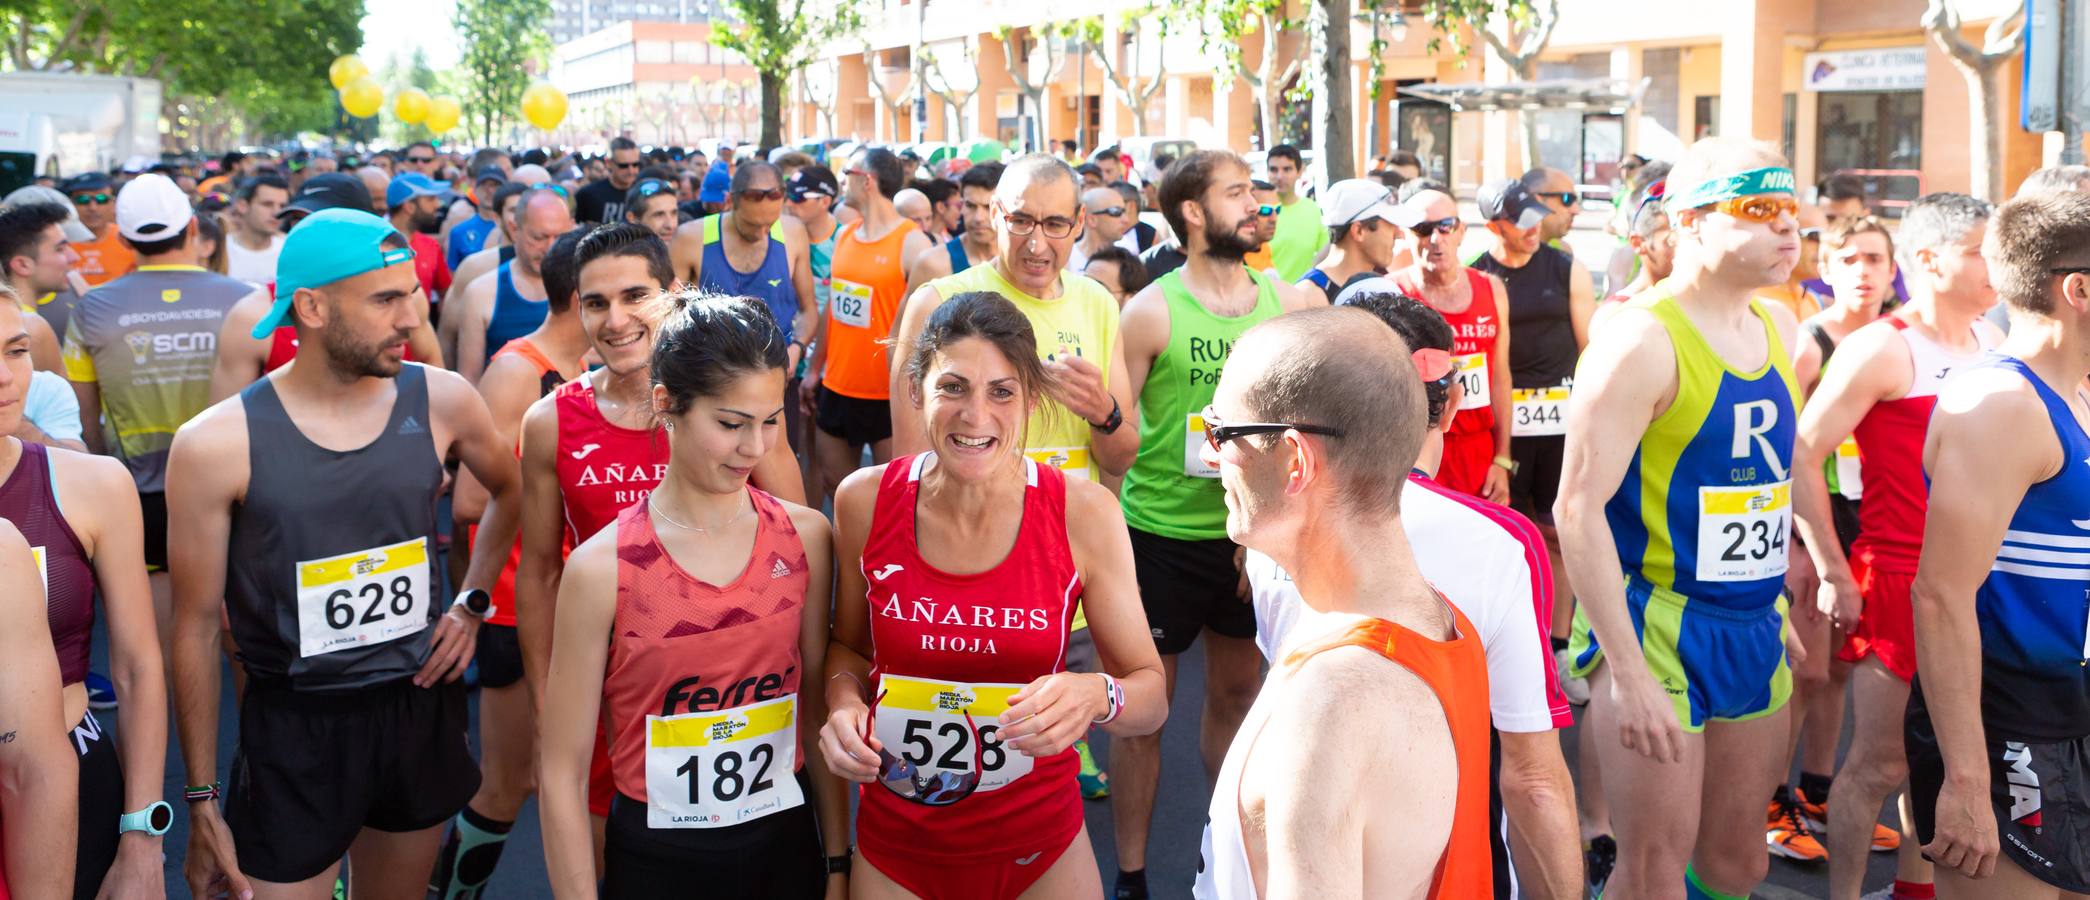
column 772, row 110
column 1985, row 150
column 1329, row 24
column 1525, row 67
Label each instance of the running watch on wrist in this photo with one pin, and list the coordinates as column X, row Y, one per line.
column 1507, row 464
column 153, row 820
column 476, row 601
column 839, row 865
column 1116, row 418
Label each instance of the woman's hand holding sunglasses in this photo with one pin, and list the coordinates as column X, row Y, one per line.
column 1046, row 717
column 846, row 740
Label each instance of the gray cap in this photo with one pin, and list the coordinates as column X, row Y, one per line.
column 74, row 231
column 1509, row 201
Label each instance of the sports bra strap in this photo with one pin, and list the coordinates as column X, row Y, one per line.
column 1821, row 339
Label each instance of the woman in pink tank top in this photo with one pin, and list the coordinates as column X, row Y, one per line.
column 686, row 629
column 959, row 572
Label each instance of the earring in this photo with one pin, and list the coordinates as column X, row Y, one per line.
column 669, row 425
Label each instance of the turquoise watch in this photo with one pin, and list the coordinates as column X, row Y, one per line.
column 153, row 820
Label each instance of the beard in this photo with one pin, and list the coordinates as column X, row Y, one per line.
column 1226, row 242
column 352, row 360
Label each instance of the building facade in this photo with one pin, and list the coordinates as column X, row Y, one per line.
column 659, row 83
column 1845, row 87
column 572, row 19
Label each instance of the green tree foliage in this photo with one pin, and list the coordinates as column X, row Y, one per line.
column 502, row 39
column 263, row 62
column 779, row 37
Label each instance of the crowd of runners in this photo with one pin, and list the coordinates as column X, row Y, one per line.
column 595, row 431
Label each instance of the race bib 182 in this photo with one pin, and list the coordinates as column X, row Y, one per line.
column 1742, row 531
column 362, row 598
column 923, row 722
column 714, row 769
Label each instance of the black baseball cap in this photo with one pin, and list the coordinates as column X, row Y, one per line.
column 91, row 181
column 1509, row 201
column 490, row 173
column 812, row 181
column 332, row 190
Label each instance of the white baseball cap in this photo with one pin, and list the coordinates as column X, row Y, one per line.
column 74, row 231
column 1356, row 199
column 152, row 208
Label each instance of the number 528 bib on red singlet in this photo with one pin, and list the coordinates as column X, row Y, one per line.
column 362, row 598
column 714, row 769
column 923, row 721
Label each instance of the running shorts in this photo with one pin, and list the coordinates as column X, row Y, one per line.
column 154, row 506
column 2040, row 793
column 1188, row 586
column 314, row 770
column 852, row 420
column 1716, row 664
column 499, row 655
column 932, row 876
column 101, row 805
column 1886, row 626
column 1537, row 482
column 602, row 783
column 1467, row 458
column 776, row 857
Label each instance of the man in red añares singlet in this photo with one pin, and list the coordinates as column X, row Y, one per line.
column 592, row 447
column 686, row 628
column 947, row 683
column 521, row 373
column 1316, row 420
column 1476, row 452
column 1881, row 386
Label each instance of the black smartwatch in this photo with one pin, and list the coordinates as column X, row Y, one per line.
column 839, row 865
column 1111, row 423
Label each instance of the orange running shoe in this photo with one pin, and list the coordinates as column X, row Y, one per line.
column 1816, row 815
column 1788, row 835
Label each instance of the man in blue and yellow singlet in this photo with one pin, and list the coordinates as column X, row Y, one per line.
column 1678, row 472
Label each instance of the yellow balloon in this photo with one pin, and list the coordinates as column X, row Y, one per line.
column 443, row 113
column 362, row 97
column 544, row 106
column 410, row 105
column 345, row 69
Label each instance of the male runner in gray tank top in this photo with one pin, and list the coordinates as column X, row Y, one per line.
column 308, row 517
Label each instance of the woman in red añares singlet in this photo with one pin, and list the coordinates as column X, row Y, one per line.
column 81, row 517
column 957, row 574
column 686, row 627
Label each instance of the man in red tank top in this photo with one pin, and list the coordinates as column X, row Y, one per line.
column 1315, row 422
column 1881, row 386
column 1476, row 451
column 526, row 369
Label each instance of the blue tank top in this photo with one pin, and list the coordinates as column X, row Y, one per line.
column 959, row 261
column 770, row 282
column 513, row 314
column 2034, row 615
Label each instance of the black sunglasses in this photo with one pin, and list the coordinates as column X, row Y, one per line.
column 905, row 780
column 1110, row 213
column 1567, row 198
column 629, row 165
column 420, row 160
column 1217, row 432
column 1425, row 229
column 761, row 195
column 84, row 199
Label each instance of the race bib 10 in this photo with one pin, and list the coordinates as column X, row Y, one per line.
column 851, row 303
column 1473, row 379
column 1540, row 412
column 923, row 722
column 714, row 769
column 362, row 598
column 1742, row 531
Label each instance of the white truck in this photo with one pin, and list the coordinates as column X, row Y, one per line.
column 66, row 123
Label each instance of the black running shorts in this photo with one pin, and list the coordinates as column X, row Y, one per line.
column 101, row 805
column 2040, row 793
column 776, row 857
column 313, row 770
column 499, row 655
column 154, row 506
column 1536, row 483
column 1188, row 586
column 852, row 420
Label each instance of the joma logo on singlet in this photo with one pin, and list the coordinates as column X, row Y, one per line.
column 1753, row 422
column 690, row 696
column 2024, row 785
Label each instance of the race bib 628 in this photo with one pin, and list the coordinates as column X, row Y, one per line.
column 362, row 598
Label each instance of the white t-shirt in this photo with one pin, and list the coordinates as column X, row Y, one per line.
column 256, row 267
column 1474, row 554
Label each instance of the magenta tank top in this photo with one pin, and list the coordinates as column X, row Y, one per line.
column 29, row 499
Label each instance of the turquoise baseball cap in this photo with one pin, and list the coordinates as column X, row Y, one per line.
column 326, row 247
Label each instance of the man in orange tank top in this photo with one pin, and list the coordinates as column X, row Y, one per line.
column 846, row 386
column 1314, row 425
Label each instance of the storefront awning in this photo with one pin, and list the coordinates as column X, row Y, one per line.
column 1598, row 94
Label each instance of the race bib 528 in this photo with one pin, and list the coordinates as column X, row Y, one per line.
column 362, row 598
column 923, row 721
